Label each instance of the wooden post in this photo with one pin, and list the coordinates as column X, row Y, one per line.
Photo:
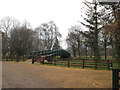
column 83, row 64
column 95, row 64
column 115, row 79
column 43, row 60
column 55, row 61
column 40, row 59
column 108, row 63
column 68, row 62
column 111, row 64
column 33, row 59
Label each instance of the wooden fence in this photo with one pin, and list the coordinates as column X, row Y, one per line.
column 14, row 58
column 70, row 62
column 115, row 79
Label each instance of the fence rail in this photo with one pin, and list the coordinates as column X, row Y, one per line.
column 115, row 79
column 71, row 62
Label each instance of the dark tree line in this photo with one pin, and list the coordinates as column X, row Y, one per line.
column 20, row 39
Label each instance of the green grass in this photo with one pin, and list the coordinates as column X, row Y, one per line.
column 115, row 65
column 13, row 59
column 89, row 58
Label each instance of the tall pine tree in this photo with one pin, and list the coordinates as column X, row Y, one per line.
column 92, row 21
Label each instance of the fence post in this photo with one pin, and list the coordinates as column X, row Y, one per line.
column 96, row 64
column 33, row 57
column 68, row 62
column 40, row 60
column 111, row 64
column 9, row 57
column 115, row 79
column 83, row 63
column 43, row 62
column 108, row 65
column 55, row 61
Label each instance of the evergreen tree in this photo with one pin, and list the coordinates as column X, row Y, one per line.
column 92, row 20
column 56, row 45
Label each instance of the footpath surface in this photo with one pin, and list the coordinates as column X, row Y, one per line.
column 26, row 75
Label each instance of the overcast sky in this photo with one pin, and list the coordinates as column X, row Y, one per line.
column 65, row 13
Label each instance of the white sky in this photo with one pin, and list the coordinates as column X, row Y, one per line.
column 65, row 13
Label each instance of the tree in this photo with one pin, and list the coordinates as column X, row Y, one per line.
column 21, row 40
column 47, row 32
column 88, row 42
column 106, row 39
column 79, row 39
column 56, row 45
column 111, row 21
column 114, row 30
column 75, row 40
column 6, row 24
column 92, row 16
column 72, row 43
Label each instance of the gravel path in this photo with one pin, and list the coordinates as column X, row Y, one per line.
column 26, row 75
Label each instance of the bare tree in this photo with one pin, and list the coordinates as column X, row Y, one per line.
column 47, row 35
column 72, row 44
column 114, row 30
column 75, row 40
column 21, row 40
column 6, row 24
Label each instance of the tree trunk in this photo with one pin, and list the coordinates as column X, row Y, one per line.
column 105, row 47
column 96, row 53
column 79, row 52
column 86, row 53
column 91, row 52
column 74, row 51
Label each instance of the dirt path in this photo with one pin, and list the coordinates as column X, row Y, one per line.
column 26, row 75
